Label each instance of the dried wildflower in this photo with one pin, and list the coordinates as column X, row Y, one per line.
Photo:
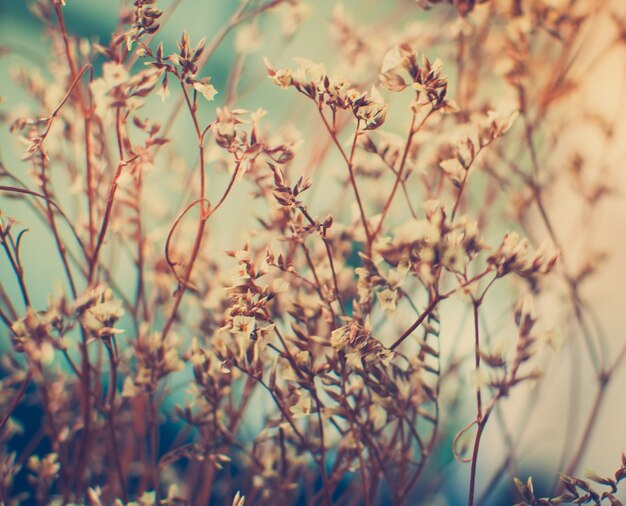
column 370, row 109
column 430, row 85
column 243, row 326
column 312, row 80
column 322, row 368
column 144, row 22
column 44, row 471
column 101, row 317
column 207, row 90
column 512, row 257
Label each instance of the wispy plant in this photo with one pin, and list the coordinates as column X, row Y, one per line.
column 325, row 369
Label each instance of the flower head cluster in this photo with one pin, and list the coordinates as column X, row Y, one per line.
column 431, row 87
column 512, row 256
column 144, row 21
column 361, row 349
column 322, row 369
column 116, row 89
column 98, row 311
column 425, row 245
column 248, row 144
column 312, row 80
column 156, row 357
column 457, row 159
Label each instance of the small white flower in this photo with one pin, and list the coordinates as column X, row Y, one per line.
column 208, row 90
column 243, row 326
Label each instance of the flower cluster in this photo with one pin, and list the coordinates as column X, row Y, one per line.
column 512, row 256
column 312, row 80
column 144, row 21
column 431, row 87
column 423, row 246
column 254, row 312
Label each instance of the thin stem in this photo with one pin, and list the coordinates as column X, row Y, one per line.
column 86, row 113
column 479, row 433
column 325, row 482
column 429, row 309
column 16, row 400
column 16, row 265
column 585, row 439
column 51, row 220
column 105, row 221
column 479, row 407
column 400, row 173
column 111, row 418
column 349, row 159
column 355, row 435
column 204, row 215
column 329, row 255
